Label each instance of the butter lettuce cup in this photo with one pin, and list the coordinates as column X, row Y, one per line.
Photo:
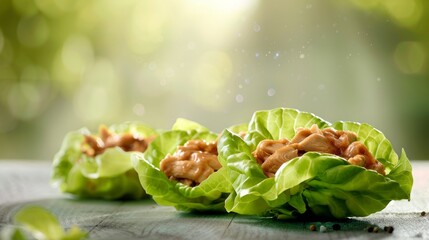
column 294, row 164
column 181, row 169
column 98, row 165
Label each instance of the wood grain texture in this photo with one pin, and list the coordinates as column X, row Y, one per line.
column 27, row 183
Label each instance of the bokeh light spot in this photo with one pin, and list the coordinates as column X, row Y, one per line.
column 24, row 100
column 210, row 77
column 33, row 31
column 405, row 12
column 256, row 28
column 91, row 104
column 63, row 79
column 99, row 96
column 48, row 7
column 69, row 5
column 139, row 109
column 239, row 98
column 1, row 41
column 367, row 4
column 271, row 92
column 146, row 29
column 77, row 54
column 410, row 57
column 25, row 7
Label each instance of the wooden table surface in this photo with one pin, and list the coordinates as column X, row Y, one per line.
column 27, row 183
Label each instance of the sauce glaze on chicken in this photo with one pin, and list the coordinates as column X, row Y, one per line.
column 271, row 154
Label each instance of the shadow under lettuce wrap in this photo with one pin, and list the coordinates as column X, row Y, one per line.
column 109, row 175
column 314, row 184
column 209, row 195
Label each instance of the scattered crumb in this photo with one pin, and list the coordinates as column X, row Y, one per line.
column 323, row 228
column 312, row 227
column 336, row 227
column 388, row 229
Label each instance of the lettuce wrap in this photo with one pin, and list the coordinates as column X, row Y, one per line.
column 209, row 195
column 313, row 184
column 108, row 174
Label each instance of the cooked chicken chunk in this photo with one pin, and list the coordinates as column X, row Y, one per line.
column 303, row 133
column 280, row 156
column 192, row 163
column 271, row 154
column 185, row 169
column 317, row 143
column 357, row 153
column 267, row 147
column 94, row 145
column 341, row 139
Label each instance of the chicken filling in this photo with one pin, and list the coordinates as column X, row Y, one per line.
column 95, row 145
column 192, row 163
column 271, row 154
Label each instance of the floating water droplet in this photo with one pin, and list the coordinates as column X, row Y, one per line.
column 240, row 86
column 302, row 55
column 276, row 55
column 271, row 92
column 239, row 98
column 139, row 109
column 257, row 55
column 256, row 28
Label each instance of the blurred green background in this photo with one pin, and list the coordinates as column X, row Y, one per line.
column 67, row 64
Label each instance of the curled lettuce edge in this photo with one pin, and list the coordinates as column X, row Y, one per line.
column 313, row 184
column 109, row 175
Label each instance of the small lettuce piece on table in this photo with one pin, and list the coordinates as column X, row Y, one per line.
column 209, row 195
column 34, row 222
column 109, row 175
column 314, row 184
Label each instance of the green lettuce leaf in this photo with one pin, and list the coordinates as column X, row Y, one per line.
column 186, row 124
column 239, row 128
column 34, row 222
column 314, row 183
column 209, row 195
column 280, row 123
column 109, row 175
